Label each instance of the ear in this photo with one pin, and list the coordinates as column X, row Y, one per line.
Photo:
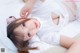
column 10, row 19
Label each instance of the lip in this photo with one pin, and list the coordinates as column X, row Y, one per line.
column 36, row 24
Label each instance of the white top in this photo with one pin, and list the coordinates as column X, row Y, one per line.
column 36, row 42
column 78, row 10
column 47, row 32
column 44, row 10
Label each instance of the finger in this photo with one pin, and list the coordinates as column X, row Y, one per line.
column 23, row 13
column 28, row 13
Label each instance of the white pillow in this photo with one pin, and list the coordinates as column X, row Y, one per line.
column 7, row 43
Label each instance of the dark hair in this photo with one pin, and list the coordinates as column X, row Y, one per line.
column 20, row 44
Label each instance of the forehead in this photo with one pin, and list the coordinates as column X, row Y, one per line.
column 20, row 23
column 20, row 20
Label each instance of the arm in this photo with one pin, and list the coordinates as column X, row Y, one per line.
column 27, row 9
column 71, row 44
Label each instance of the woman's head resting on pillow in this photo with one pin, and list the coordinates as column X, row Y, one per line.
column 21, row 30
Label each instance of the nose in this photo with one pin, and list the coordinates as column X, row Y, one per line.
column 26, row 38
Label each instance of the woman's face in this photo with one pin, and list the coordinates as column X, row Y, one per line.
column 27, row 30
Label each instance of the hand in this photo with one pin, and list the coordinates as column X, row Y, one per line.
column 26, row 10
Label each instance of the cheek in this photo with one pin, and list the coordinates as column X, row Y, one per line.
column 33, row 25
column 33, row 32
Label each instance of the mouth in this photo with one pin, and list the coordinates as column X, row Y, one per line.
column 36, row 24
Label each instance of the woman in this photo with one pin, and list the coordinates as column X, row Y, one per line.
column 27, row 40
column 25, row 29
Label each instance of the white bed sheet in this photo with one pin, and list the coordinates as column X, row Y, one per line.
column 71, row 29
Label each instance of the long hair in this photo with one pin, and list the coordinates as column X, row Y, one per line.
column 20, row 44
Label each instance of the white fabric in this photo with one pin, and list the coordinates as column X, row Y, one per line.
column 44, row 10
column 58, row 7
column 7, row 43
column 78, row 10
column 35, row 51
column 47, row 32
column 71, row 30
column 36, row 42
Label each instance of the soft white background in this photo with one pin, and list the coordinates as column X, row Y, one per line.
column 9, row 8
